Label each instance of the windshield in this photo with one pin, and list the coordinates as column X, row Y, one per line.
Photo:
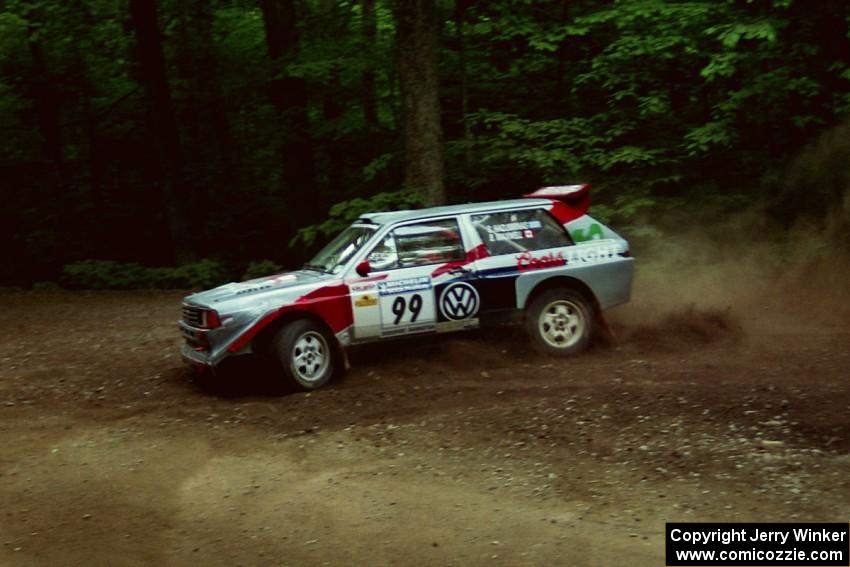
column 334, row 256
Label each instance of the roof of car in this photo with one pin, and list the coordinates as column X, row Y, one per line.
column 415, row 214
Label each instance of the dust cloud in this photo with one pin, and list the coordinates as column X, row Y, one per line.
column 703, row 275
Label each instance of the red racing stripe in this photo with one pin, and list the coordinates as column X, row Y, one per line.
column 477, row 253
column 331, row 303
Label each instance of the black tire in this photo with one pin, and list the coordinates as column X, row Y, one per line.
column 305, row 351
column 560, row 322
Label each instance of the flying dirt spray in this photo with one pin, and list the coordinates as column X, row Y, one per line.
column 709, row 275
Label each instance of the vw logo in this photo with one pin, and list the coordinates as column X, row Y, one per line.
column 459, row 301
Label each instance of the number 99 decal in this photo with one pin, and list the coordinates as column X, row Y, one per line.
column 407, row 305
column 401, row 305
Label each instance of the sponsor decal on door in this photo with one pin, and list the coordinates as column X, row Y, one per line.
column 459, row 301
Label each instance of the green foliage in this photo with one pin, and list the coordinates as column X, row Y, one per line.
column 704, row 137
column 650, row 100
column 46, row 286
column 202, row 274
column 624, row 210
column 658, row 94
column 553, row 148
column 260, row 268
column 377, row 166
column 108, row 274
column 343, row 214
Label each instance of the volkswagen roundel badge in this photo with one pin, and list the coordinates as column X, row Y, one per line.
column 459, row 301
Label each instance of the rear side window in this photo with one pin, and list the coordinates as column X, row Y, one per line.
column 419, row 244
column 511, row 232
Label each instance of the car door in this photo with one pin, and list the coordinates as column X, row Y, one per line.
column 410, row 268
column 516, row 241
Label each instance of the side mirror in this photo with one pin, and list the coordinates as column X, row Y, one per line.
column 363, row 268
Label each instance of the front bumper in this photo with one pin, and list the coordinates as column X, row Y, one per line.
column 196, row 358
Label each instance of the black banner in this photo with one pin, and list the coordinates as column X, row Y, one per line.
column 691, row 544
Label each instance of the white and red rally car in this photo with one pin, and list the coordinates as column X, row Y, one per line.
column 541, row 259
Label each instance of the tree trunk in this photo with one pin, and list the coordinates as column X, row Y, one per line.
column 416, row 44
column 46, row 104
column 370, row 33
column 333, row 165
column 210, row 148
column 50, row 179
column 460, row 20
column 163, row 125
column 98, row 243
column 560, row 74
column 288, row 94
column 209, row 81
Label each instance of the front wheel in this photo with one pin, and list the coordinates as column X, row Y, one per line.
column 560, row 322
column 303, row 349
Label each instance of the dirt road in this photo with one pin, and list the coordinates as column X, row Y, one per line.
column 458, row 451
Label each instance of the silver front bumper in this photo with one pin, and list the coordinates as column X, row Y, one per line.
column 194, row 357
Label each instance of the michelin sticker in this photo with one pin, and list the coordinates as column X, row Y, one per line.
column 404, row 286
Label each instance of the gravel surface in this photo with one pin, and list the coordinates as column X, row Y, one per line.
column 457, row 450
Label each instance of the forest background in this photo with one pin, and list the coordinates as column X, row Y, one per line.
column 180, row 143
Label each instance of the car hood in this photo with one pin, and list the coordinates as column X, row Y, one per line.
column 251, row 289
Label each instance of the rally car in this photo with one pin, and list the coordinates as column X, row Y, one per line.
column 541, row 260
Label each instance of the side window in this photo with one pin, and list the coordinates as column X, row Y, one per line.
column 420, row 244
column 383, row 256
column 512, row 232
column 431, row 242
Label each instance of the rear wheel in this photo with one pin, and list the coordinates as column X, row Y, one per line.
column 303, row 348
column 560, row 322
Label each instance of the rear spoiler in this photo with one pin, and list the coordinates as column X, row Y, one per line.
column 569, row 201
